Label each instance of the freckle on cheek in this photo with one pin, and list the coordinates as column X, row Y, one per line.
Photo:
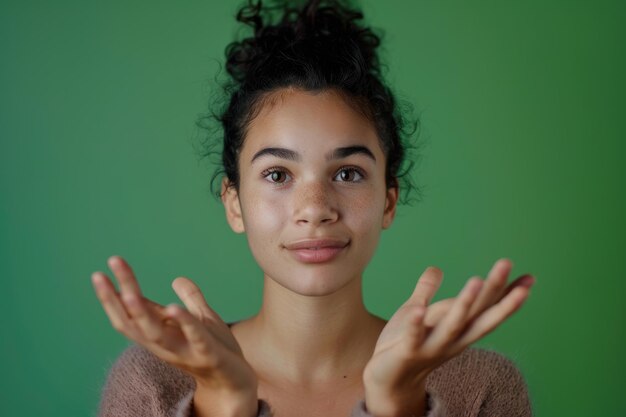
column 361, row 203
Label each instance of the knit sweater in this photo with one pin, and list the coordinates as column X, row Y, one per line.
column 477, row 382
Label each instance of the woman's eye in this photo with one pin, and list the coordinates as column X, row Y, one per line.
column 279, row 176
column 347, row 173
column 274, row 175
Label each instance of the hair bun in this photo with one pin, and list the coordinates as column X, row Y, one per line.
column 322, row 28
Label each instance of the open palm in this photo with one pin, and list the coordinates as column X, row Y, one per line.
column 419, row 337
column 195, row 339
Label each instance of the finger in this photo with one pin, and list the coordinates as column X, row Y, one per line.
column 191, row 295
column 492, row 288
column 416, row 330
column 492, row 318
column 427, row 285
column 526, row 280
column 124, row 274
column 148, row 324
column 115, row 310
column 456, row 320
column 197, row 336
column 158, row 309
column 104, row 281
column 437, row 311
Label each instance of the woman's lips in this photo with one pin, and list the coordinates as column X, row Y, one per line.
column 317, row 251
column 316, row 255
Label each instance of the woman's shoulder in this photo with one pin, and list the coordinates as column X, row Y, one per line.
column 480, row 379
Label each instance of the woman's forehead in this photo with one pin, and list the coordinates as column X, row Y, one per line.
column 310, row 122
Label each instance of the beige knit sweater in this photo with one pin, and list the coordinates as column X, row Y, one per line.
column 477, row 382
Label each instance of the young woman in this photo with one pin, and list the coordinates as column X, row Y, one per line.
column 311, row 155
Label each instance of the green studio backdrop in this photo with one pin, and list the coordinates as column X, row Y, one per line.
column 521, row 105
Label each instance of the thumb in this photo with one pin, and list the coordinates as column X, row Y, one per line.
column 427, row 286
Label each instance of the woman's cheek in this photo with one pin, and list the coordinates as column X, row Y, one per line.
column 269, row 213
column 366, row 208
column 366, row 220
column 265, row 217
column 260, row 201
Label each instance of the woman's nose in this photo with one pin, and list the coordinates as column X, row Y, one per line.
column 314, row 204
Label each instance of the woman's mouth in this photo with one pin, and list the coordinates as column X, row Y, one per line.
column 317, row 251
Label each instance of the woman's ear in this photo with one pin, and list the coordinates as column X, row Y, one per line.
column 390, row 206
column 232, row 206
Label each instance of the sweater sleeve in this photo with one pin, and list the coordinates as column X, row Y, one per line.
column 433, row 408
column 139, row 384
column 475, row 383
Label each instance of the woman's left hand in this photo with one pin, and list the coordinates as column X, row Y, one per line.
column 418, row 338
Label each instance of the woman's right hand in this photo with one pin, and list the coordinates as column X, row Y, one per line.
column 196, row 341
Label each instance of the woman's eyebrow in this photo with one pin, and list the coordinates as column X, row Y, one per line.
column 338, row 153
column 345, row 152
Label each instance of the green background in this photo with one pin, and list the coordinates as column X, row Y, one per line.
column 522, row 107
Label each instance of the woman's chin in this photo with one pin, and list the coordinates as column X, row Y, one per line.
column 315, row 283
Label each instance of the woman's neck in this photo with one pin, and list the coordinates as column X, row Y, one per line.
column 316, row 340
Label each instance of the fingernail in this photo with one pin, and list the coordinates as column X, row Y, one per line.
column 96, row 279
column 473, row 286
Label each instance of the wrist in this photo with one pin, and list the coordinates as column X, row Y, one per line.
column 410, row 404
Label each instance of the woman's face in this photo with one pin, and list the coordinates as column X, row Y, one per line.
column 311, row 168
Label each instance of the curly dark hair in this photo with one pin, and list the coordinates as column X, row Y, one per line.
column 315, row 47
